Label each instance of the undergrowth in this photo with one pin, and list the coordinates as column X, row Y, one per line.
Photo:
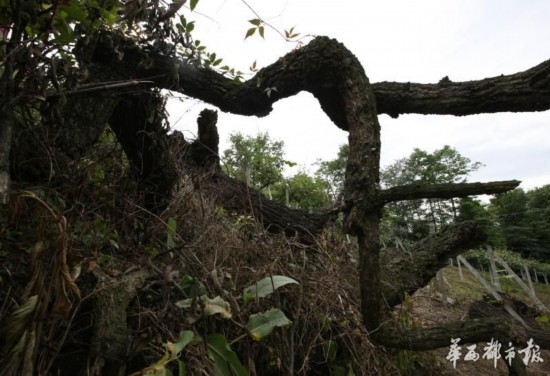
column 92, row 280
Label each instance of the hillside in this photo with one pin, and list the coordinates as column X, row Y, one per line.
column 428, row 309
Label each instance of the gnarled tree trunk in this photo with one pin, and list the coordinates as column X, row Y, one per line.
column 335, row 77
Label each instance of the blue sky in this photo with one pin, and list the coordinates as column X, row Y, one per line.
column 417, row 41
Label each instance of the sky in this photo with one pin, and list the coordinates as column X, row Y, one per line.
column 395, row 40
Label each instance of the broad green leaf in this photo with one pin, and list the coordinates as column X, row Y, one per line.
column 261, row 30
column 185, row 303
column 250, row 32
column 185, row 338
column 210, row 306
column 266, row 287
column 225, row 360
column 216, row 305
column 193, row 4
column 255, row 21
column 261, row 325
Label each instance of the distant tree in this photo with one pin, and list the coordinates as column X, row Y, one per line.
column 257, row 160
column 303, row 191
column 538, row 218
column 410, row 219
column 525, row 221
column 511, row 208
column 445, row 165
column 473, row 209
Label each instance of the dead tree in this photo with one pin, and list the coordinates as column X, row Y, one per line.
column 330, row 72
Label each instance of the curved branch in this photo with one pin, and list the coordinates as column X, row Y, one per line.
column 316, row 68
column 420, row 191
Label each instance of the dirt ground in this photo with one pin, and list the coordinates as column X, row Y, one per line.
column 429, row 309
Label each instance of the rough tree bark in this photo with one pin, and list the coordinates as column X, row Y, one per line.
column 306, row 69
column 419, row 191
column 335, row 77
column 418, row 266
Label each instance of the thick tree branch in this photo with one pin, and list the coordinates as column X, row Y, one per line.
column 486, row 322
column 157, row 157
column 137, row 124
column 422, row 339
column 418, row 266
column 483, row 309
column 313, row 68
column 234, row 195
column 420, row 191
column 520, row 92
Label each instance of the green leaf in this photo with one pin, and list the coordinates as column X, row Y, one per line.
column 193, row 4
column 64, row 34
column 185, row 303
column 181, row 368
column 171, row 228
column 210, row 306
column 261, row 325
column 339, row 370
column 261, row 30
column 74, row 11
column 225, row 360
column 191, row 286
column 250, row 32
column 170, row 232
column 266, row 287
column 216, row 305
column 185, row 338
column 255, row 21
column 159, row 368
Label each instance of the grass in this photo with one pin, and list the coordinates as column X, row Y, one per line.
column 429, row 311
column 467, row 289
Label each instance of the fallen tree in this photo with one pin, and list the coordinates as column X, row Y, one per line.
column 167, row 164
column 334, row 76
